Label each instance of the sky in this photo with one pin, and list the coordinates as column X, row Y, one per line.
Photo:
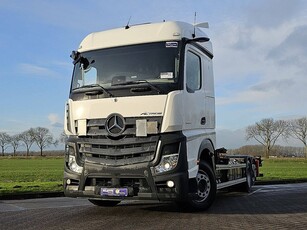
column 260, row 56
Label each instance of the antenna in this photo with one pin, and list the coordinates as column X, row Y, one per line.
column 193, row 35
column 127, row 26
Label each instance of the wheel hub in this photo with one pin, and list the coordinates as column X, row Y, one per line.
column 203, row 185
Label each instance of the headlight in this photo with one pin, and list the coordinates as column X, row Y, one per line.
column 72, row 164
column 167, row 163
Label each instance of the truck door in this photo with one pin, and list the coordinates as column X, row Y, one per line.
column 194, row 93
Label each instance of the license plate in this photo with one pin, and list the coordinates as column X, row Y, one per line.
column 114, row 192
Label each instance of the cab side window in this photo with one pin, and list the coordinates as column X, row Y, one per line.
column 193, row 72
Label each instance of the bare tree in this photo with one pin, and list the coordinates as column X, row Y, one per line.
column 4, row 141
column 43, row 138
column 15, row 142
column 27, row 137
column 266, row 132
column 298, row 129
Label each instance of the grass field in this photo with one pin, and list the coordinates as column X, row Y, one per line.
column 36, row 174
column 44, row 174
column 284, row 169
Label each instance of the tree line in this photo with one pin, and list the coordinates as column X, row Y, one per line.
column 277, row 151
column 268, row 131
column 40, row 136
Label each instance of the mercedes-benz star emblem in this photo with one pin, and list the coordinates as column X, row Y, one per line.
column 115, row 124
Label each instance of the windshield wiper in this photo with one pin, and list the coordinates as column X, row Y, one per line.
column 139, row 82
column 93, row 86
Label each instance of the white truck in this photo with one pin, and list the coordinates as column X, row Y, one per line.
column 140, row 119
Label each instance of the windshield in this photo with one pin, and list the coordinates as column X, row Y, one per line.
column 115, row 69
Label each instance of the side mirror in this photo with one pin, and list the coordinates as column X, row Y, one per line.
column 75, row 55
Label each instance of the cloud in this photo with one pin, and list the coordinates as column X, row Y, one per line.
column 36, row 70
column 259, row 49
column 55, row 121
column 260, row 70
column 279, row 85
column 292, row 50
column 273, row 13
column 57, row 125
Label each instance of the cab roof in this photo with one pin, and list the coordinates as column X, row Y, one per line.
column 143, row 33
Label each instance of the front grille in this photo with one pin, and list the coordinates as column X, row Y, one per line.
column 97, row 146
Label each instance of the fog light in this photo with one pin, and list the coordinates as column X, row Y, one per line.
column 170, row 184
column 68, row 181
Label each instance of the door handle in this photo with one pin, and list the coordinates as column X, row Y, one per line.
column 203, row 121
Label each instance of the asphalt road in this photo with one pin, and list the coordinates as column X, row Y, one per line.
column 267, row 207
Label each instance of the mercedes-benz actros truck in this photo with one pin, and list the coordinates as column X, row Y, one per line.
column 140, row 119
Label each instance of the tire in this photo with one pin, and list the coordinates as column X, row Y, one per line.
column 206, row 188
column 104, row 203
column 250, row 178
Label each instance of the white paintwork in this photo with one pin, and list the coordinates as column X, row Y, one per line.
column 201, row 103
column 146, row 33
column 181, row 111
column 197, row 105
column 173, row 113
column 81, row 127
column 126, row 106
column 140, row 106
column 194, row 140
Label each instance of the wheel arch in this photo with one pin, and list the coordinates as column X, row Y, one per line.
column 206, row 153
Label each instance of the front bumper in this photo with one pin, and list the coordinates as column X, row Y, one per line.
column 140, row 180
column 141, row 184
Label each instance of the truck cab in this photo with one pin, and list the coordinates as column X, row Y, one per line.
column 140, row 117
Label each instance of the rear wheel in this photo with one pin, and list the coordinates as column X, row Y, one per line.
column 206, row 188
column 104, row 203
column 250, row 178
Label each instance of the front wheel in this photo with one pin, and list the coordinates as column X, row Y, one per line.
column 104, row 203
column 206, row 188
